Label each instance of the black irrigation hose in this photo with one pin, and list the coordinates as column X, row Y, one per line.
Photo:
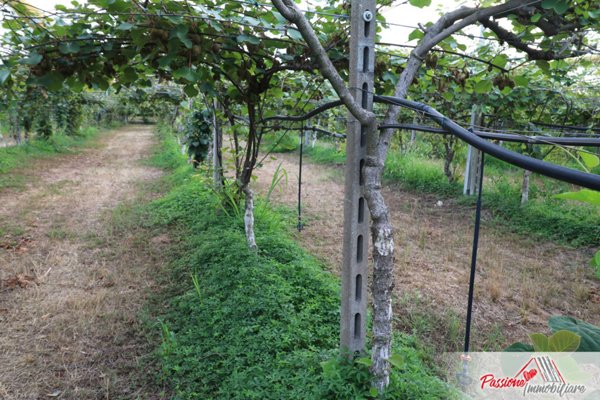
column 306, row 116
column 314, row 129
column 584, row 179
column 474, row 257
column 564, row 141
column 573, row 128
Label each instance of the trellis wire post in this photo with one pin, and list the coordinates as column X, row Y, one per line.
column 356, row 220
column 473, row 159
column 299, row 226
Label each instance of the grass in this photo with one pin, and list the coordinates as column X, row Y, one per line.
column 17, row 157
column 568, row 223
column 239, row 324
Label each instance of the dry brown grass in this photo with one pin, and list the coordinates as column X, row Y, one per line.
column 76, row 333
column 519, row 283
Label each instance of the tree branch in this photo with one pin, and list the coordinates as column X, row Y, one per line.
column 288, row 9
column 514, row 41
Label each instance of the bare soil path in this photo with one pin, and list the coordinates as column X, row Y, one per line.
column 520, row 282
column 71, row 286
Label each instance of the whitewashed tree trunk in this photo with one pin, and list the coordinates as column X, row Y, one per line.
column 525, row 187
column 216, row 149
column 249, row 218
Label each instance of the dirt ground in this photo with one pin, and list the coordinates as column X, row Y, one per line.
column 71, row 286
column 520, row 281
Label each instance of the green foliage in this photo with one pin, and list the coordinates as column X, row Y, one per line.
column 198, row 134
column 583, row 195
column 417, row 173
column 258, row 325
column 568, row 335
column 590, row 334
column 280, row 143
column 545, row 217
column 561, row 341
column 326, row 154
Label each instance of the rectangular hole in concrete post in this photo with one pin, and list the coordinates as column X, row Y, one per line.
column 361, row 178
column 358, row 288
column 367, row 28
column 357, row 326
column 361, row 210
column 363, row 136
column 365, row 59
column 365, row 95
column 359, row 248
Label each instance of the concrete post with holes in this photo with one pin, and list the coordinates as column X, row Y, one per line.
column 356, row 218
column 473, row 160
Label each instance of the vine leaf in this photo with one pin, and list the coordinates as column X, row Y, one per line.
column 294, row 34
column 4, row 75
column 540, row 342
column 564, row 341
column 33, row 59
column 52, row 80
column 590, row 160
column 590, row 334
column 420, row 3
column 68, row 48
column 584, row 195
column 248, row 39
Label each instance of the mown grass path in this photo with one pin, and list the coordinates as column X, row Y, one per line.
column 71, row 284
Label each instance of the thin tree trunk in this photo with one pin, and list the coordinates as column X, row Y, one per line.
column 448, row 158
column 525, row 187
column 216, row 150
column 18, row 138
column 249, row 218
column 383, row 277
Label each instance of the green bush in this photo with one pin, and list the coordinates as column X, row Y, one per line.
column 326, row 153
column 280, row 142
column 547, row 218
column 417, row 173
column 256, row 325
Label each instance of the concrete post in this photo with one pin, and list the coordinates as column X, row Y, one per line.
column 473, row 160
column 356, row 219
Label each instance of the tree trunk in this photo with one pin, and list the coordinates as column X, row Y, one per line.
column 448, row 158
column 249, row 218
column 216, row 150
column 18, row 138
column 383, row 277
column 525, row 187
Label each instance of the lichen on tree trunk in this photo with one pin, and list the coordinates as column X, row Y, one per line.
column 249, row 218
column 525, row 187
column 383, row 274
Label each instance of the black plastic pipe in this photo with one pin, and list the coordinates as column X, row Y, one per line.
column 584, row 179
column 507, row 137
